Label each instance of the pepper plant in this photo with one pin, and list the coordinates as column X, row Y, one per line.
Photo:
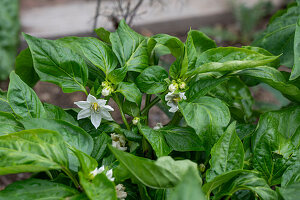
column 215, row 146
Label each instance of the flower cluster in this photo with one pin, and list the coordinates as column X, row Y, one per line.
column 118, row 141
column 94, row 108
column 107, row 88
column 175, row 95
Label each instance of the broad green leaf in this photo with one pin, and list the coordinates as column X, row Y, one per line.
column 100, row 144
column 226, row 155
column 163, row 173
column 103, row 34
column 275, row 79
column 188, row 189
column 72, row 135
column 157, row 140
column 23, row 99
column 292, row 173
column 182, row 138
column 296, row 68
column 290, row 192
column 207, row 116
column 24, row 68
column 152, row 80
column 274, row 143
column 130, row 91
column 247, row 181
column 55, row 112
column 99, row 188
column 69, row 71
column 87, row 163
column 117, row 75
column 32, row 151
column 9, row 124
column 130, row 48
column 4, row 106
column 179, row 68
column 225, row 59
column 131, row 109
column 9, row 34
column 98, row 53
column 175, row 46
column 37, row 189
column 278, row 38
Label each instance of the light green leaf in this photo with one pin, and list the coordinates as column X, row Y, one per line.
column 130, row 48
column 163, row 173
column 175, row 46
column 23, row 99
column 4, row 106
column 292, row 173
column 69, row 71
column 37, row 189
column 226, row 155
column 224, row 59
column 157, row 140
column 9, row 124
column 87, row 163
column 117, row 75
column 290, row 192
column 296, row 68
column 32, row 151
column 103, row 34
column 130, row 91
column 152, row 80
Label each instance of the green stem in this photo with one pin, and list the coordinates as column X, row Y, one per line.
column 176, row 118
column 117, row 100
column 147, row 102
column 70, row 175
column 150, row 105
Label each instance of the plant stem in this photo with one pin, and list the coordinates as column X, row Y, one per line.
column 70, row 175
column 117, row 100
column 147, row 102
column 150, row 105
column 176, row 118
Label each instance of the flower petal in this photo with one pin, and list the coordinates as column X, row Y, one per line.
column 106, row 115
column 91, row 99
column 101, row 102
column 173, row 109
column 169, row 96
column 82, row 104
column 107, row 108
column 96, row 119
column 84, row 113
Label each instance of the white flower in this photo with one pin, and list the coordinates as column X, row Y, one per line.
column 158, row 126
column 118, row 141
column 173, row 87
column 106, row 91
column 95, row 108
column 121, row 194
column 173, row 99
column 135, row 120
column 109, row 173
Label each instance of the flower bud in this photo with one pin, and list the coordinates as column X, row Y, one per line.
column 202, row 167
column 106, row 91
column 182, row 85
column 135, row 120
column 173, row 87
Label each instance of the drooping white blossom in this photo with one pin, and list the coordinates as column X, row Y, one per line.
column 94, row 108
column 118, row 141
column 109, row 173
column 121, row 194
column 173, row 87
column 158, row 126
column 173, row 99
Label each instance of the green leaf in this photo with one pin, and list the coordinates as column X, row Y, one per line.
column 24, row 68
column 207, row 116
column 130, row 91
column 100, row 144
column 247, row 181
column 163, row 173
column 157, row 140
column 224, row 59
column 98, row 53
column 278, row 38
column 103, row 34
column 117, row 75
column 32, row 151
column 179, row 68
column 37, row 189
column 175, row 46
column 290, row 192
column 188, row 189
column 87, row 163
column 69, row 71
column 275, row 79
column 152, row 80
column 72, row 135
column 55, row 112
column 292, row 173
column 99, row 188
column 23, row 99
column 226, row 155
column 130, row 48
column 4, row 106
column 9, row 124
column 182, row 138
column 131, row 109
column 296, row 69
column 274, row 143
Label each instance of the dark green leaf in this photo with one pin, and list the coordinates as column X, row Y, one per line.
column 32, row 151
column 38, row 190
column 130, row 91
column 23, row 99
column 117, row 75
column 163, row 173
column 152, row 80
column 55, row 112
column 103, row 34
column 100, row 144
column 292, row 173
column 69, row 71
column 131, row 109
column 130, row 48
column 87, row 163
column 9, row 124
column 175, row 46
column 290, row 192
column 226, row 155
column 296, row 69
column 4, row 106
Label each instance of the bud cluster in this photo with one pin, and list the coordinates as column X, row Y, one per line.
column 107, row 88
